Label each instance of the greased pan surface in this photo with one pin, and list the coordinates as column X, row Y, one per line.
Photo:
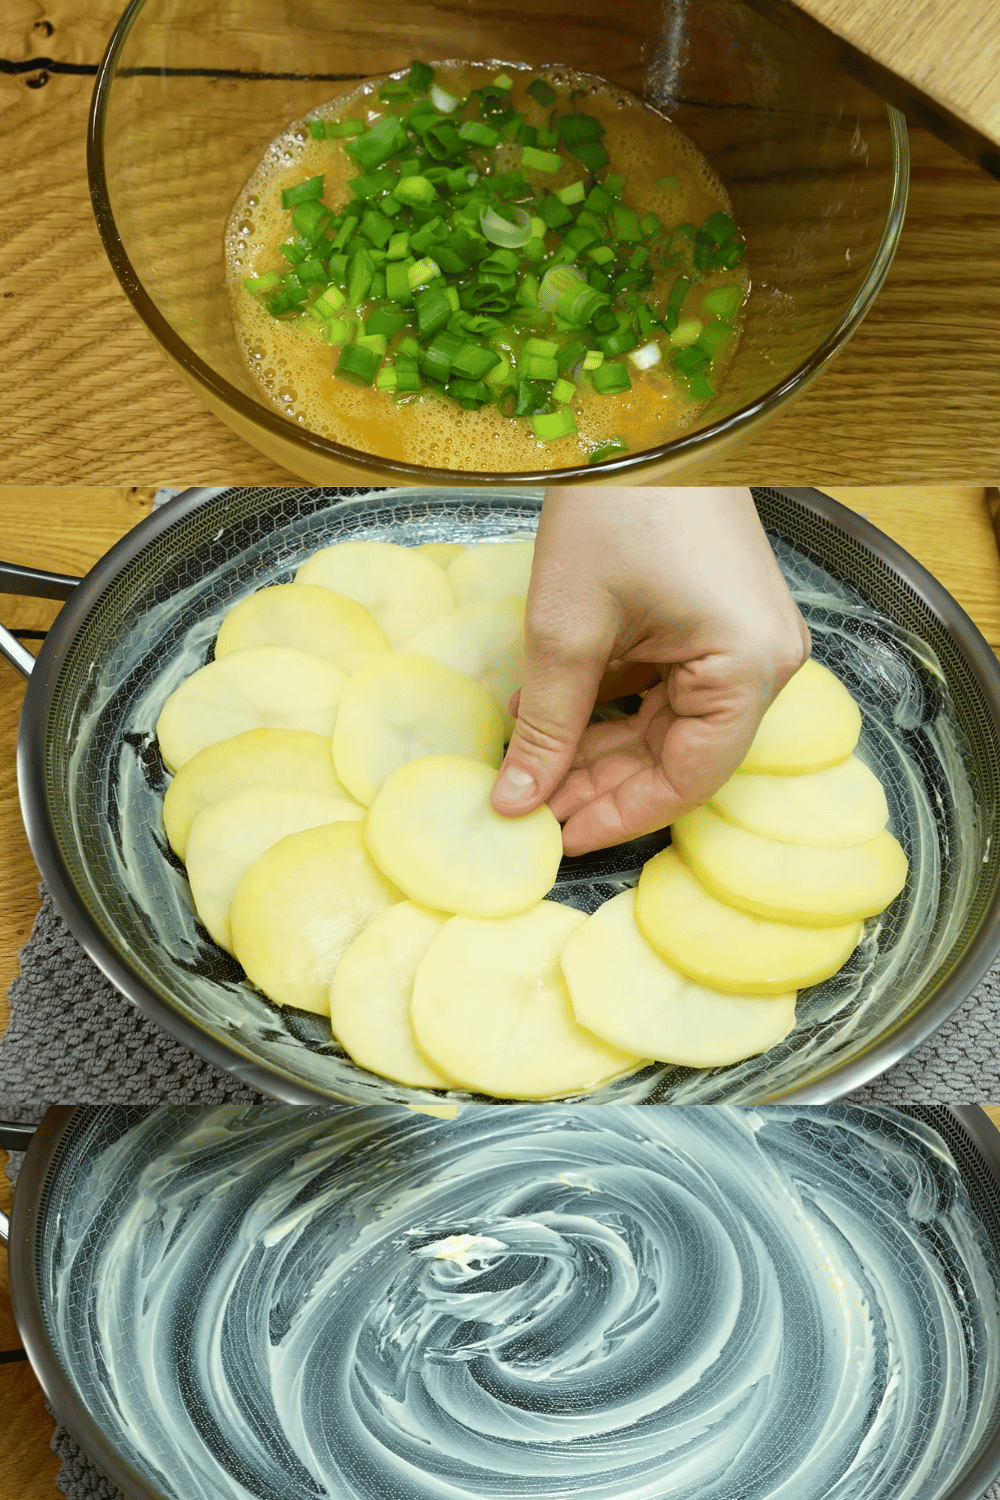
column 92, row 781
column 724, row 1304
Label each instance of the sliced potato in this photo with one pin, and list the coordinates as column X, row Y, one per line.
column 371, row 992
column 797, row 883
column 398, row 585
column 258, row 757
column 265, row 687
column 443, row 553
column 297, row 909
column 844, row 804
column 491, row 1008
column 431, row 829
column 231, row 835
column 724, row 948
column 491, row 570
column 483, row 640
column 401, row 707
column 310, row 619
column 623, row 991
column 813, row 723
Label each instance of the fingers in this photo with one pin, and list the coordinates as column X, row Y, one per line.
column 556, row 699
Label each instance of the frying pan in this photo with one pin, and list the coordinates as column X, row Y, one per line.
column 91, row 780
column 787, row 1302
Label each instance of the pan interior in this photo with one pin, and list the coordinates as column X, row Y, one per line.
column 728, row 1304
column 929, row 735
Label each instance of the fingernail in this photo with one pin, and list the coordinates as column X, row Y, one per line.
column 514, row 784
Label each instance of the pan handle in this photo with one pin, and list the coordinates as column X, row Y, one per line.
column 13, row 1137
column 39, row 585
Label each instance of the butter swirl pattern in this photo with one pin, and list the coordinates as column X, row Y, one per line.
column 722, row 1303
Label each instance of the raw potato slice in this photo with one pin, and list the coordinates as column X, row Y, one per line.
column 230, row 836
column 432, row 830
column 813, row 723
column 371, row 991
column 443, row 553
column 484, row 641
column 401, row 707
column 491, row 1009
column 724, row 948
column 624, row 992
column 294, row 913
column 401, row 588
column 493, row 570
column 798, row 883
column 306, row 617
column 844, row 804
column 272, row 757
column 266, row 687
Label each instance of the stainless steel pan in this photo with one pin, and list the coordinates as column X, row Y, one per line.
column 286, row 1303
column 91, row 780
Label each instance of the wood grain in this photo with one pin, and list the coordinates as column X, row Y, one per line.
column 88, row 398
column 939, row 60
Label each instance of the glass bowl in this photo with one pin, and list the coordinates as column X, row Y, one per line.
column 187, row 99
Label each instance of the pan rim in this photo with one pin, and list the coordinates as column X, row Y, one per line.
column 825, row 1087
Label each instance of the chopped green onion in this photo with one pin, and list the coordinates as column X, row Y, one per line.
column 384, row 139
column 686, row 333
column 510, row 232
column 563, row 391
column 358, row 364
column 387, row 319
column 551, row 426
column 593, row 154
column 543, row 92
column 443, row 102
column 646, row 357
column 724, row 300
column 424, row 271
column 610, row 448
column 305, row 192
column 478, row 134
column 614, row 184
column 421, row 77
column 594, row 358
column 556, row 281
column 611, row 379
column 573, row 192
column 413, row 190
column 386, row 378
column 537, row 368
column 626, row 223
column 700, row 386
column 541, row 161
column 265, row 283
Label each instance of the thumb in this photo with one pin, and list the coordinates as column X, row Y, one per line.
column 556, row 700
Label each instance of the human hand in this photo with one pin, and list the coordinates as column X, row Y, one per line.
column 674, row 590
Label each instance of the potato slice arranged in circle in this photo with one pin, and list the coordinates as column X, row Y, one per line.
column 442, row 553
column 231, row 835
column 400, row 587
column 491, row 570
column 401, row 707
column 797, row 883
column 623, row 991
column 491, row 1009
column 258, row 757
column 845, row 804
column 309, row 619
column 371, row 992
column 725, row 949
column 484, row 641
column 813, row 723
column 431, row 829
column 297, row 909
column 265, row 687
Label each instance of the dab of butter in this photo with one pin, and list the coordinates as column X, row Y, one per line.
column 461, row 1248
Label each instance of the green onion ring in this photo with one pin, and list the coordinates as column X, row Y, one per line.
column 501, row 231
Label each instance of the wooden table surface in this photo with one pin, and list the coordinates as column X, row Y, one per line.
column 939, row 58
column 88, row 399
